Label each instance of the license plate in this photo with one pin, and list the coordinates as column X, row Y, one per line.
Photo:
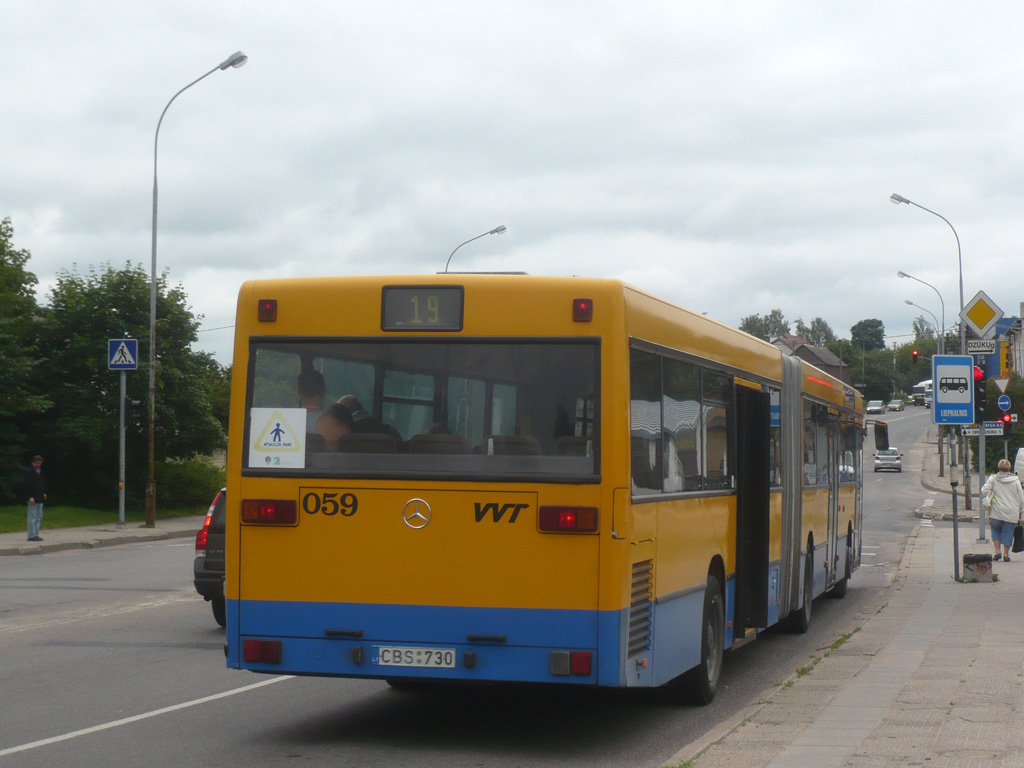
column 402, row 656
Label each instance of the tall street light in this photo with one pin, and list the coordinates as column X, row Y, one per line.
column 234, row 61
column 499, row 230
column 897, row 199
column 942, row 304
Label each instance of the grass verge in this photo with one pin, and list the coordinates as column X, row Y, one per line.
column 13, row 519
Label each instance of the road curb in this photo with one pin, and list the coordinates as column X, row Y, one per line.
column 32, row 548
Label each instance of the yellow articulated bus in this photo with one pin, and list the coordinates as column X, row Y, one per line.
column 518, row 478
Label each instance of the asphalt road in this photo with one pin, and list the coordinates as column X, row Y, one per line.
column 110, row 658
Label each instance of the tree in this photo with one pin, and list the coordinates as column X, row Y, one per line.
column 86, row 311
column 19, row 315
column 818, row 333
column 768, row 327
column 868, row 335
column 923, row 329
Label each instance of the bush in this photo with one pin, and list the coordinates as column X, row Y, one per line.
column 191, row 483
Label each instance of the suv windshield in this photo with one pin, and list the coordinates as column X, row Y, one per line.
column 389, row 408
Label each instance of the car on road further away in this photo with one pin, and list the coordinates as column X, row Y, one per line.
column 208, row 567
column 875, row 406
column 896, row 405
column 890, row 458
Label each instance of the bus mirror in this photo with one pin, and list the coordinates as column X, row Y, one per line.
column 881, row 436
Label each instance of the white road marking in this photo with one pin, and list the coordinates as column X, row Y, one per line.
column 137, row 718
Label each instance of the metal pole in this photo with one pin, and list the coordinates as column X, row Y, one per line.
column 956, row 531
column 235, row 60
column 120, row 460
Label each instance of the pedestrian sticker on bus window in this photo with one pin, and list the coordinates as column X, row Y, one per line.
column 279, row 438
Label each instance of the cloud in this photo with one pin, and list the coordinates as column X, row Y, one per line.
column 734, row 157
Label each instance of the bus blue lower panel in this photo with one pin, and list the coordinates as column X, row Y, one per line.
column 346, row 639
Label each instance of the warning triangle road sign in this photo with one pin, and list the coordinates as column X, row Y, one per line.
column 123, row 354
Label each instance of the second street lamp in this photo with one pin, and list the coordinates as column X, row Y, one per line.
column 498, row 230
column 942, row 305
column 234, row 61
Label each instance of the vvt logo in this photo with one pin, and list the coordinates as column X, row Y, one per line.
column 498, row 512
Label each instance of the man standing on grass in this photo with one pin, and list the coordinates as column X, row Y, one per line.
column 34, row 492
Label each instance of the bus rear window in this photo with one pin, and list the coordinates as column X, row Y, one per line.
column 380, row 408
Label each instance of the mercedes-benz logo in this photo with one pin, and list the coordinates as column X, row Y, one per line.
column 416, row 513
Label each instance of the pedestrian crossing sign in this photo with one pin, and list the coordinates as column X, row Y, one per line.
column 122, row 354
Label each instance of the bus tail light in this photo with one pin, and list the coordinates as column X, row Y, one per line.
column 256, row 651
column 564, row 663
column 568, row 519
column 269, row 511
column 582, row 310
column 266, row 310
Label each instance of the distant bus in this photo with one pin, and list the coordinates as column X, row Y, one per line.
column 922, row 392
column 535, row 479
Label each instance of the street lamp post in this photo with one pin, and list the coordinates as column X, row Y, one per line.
column 942, row 305
column 896, row 200
column 234, row 61
column 499, row 230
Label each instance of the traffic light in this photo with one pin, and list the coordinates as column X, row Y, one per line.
column 913, row 357
column 131, row 410
column 979, row 392
column 1007, row 420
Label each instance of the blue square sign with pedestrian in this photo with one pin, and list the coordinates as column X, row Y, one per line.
column 122, row 354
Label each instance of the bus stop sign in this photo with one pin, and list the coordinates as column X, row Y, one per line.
column 953, row 389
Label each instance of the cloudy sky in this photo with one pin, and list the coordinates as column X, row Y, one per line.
column 735, row 157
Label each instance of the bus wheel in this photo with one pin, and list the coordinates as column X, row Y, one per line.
column 800, row 621
column 698, row 686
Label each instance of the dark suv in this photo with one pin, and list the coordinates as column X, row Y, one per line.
column 208, row 568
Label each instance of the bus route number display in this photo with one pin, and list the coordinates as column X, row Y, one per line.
column 421, row 308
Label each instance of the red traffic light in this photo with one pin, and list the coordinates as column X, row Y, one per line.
column 913, row 356
column 1006, row 418
column 978, row 374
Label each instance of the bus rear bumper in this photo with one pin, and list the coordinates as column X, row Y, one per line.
column 425, row 642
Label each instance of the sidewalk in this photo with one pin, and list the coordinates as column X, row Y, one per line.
column 90, row 536
column 933, row 679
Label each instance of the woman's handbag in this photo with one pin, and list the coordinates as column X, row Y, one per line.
column 1018, row 538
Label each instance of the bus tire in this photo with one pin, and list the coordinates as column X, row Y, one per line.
column 699, row 685
column 799, row 621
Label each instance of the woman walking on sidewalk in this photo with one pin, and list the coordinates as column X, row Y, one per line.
column 1004, row 499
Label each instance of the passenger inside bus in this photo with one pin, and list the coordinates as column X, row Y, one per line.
column 334, row 424
column 311, row 390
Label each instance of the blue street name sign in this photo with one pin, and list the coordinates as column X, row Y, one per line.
column 953, row 389
column 122, row 354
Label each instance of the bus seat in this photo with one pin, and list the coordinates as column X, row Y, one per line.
column 572, row 445
column 513, row 445
column 367, row 442
column 315, row 443
column 438, row 444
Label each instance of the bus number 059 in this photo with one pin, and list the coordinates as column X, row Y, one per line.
column 330, row 503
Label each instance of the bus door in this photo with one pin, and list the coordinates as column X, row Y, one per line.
column 834, row 461
column 753, row 479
